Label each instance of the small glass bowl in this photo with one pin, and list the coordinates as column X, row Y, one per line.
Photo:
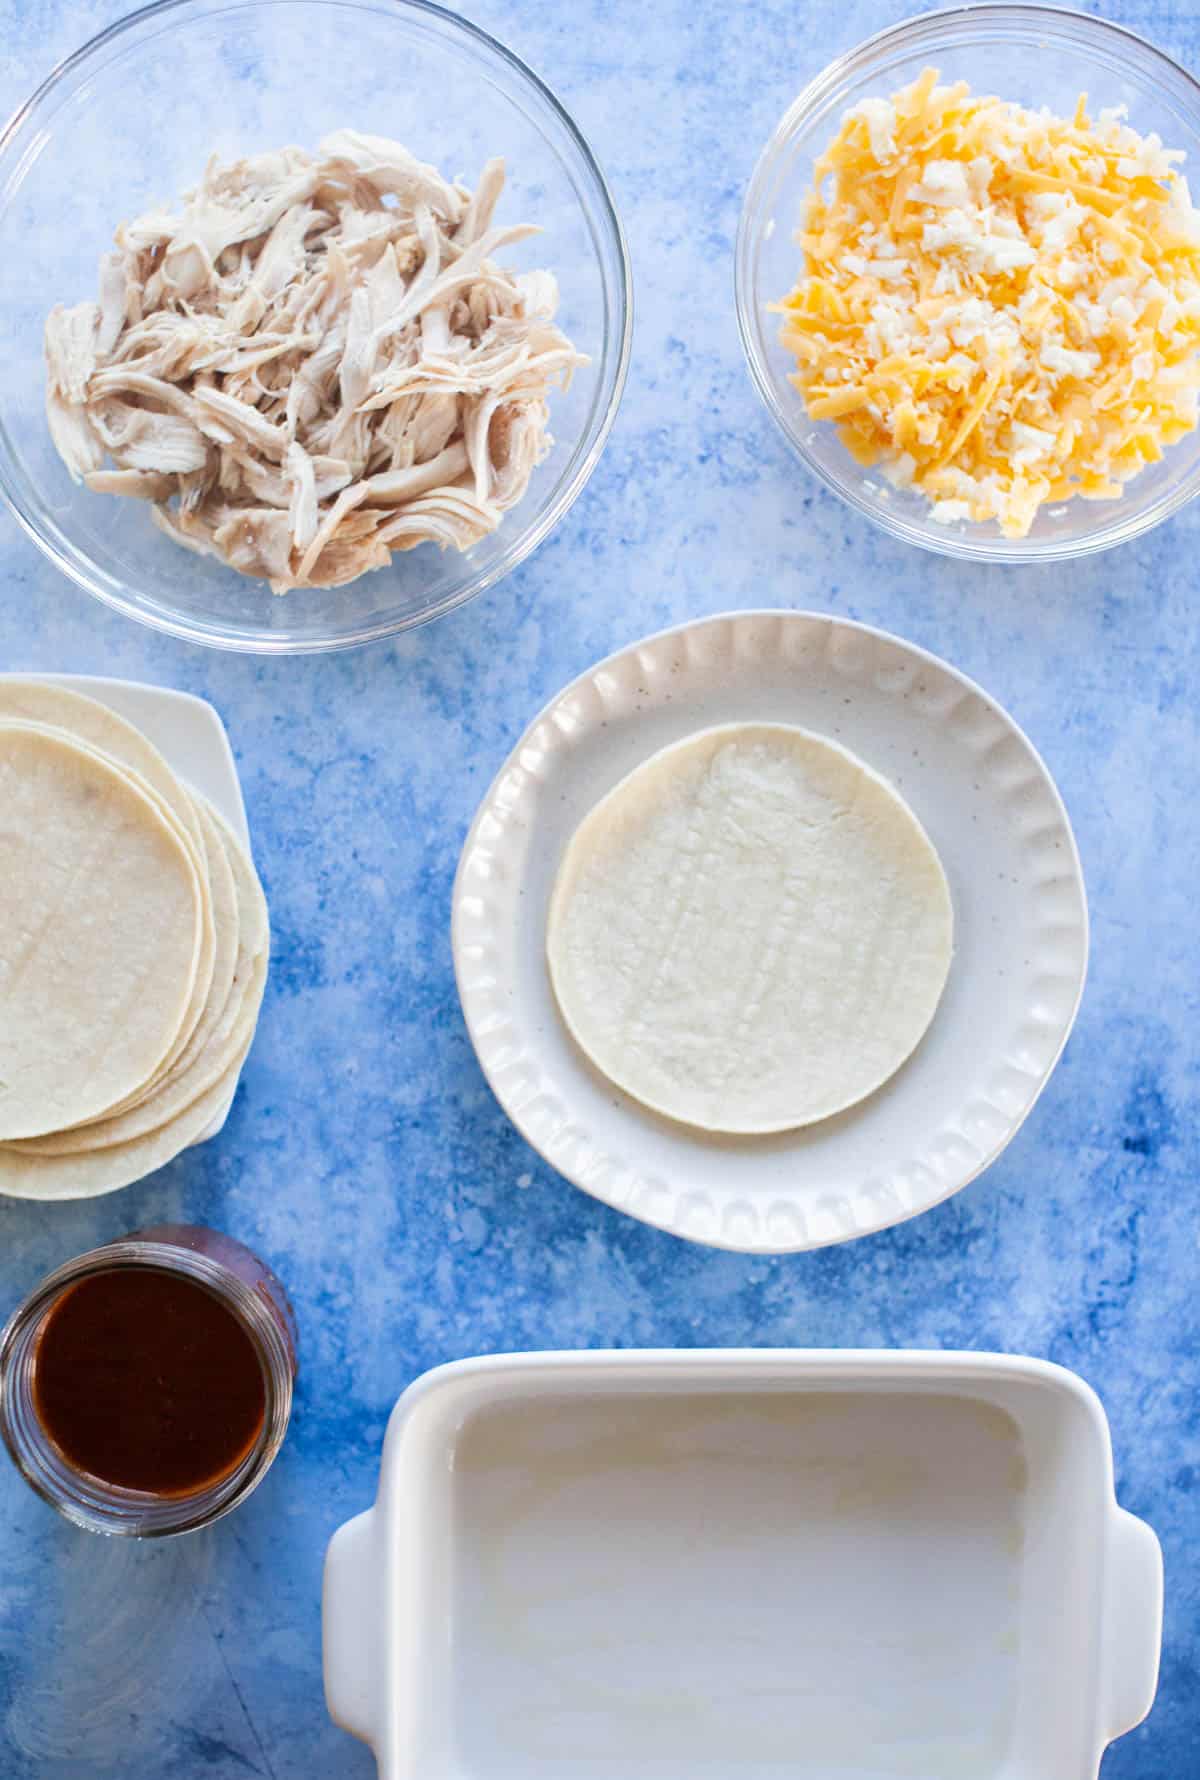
column 1038, row 55
column 247, row 1288
column 130, row 120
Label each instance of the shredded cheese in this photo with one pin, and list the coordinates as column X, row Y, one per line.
column 1000, row 307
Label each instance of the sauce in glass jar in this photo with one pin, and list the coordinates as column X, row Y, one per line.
column 146, row 1387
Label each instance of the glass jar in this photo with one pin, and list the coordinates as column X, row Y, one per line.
column 244, row 1287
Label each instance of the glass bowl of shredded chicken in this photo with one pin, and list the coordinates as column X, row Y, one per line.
column 322, row 320
column 968, row 282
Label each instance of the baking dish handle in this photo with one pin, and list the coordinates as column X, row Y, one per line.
column 1133, row 1606
column 351, row 1626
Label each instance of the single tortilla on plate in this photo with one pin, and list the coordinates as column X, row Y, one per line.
column 751, row 932
column 94, row 871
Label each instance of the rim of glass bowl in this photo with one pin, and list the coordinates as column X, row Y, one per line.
column 618, row 327
column 1013, row 21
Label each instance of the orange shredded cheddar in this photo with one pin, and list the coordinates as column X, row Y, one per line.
column 1000, row 307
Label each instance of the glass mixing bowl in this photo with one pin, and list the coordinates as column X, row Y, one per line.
column 1038, row 55
column 130, row 120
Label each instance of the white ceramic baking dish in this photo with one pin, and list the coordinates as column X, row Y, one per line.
column 830, row 1565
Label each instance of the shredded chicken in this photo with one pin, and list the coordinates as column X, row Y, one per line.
column 315, row 362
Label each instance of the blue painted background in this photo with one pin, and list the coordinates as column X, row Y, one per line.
column 365, row 1156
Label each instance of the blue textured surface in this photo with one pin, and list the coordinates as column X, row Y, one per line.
column 366, row 1158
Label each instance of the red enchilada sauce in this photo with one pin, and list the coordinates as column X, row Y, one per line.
column 144, row 1380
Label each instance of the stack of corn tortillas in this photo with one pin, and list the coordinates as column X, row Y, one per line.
column 133, row 950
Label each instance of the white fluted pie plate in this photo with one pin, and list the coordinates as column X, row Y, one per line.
column 1021, row 935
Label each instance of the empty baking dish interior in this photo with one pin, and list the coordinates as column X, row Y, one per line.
column 855, row 1582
